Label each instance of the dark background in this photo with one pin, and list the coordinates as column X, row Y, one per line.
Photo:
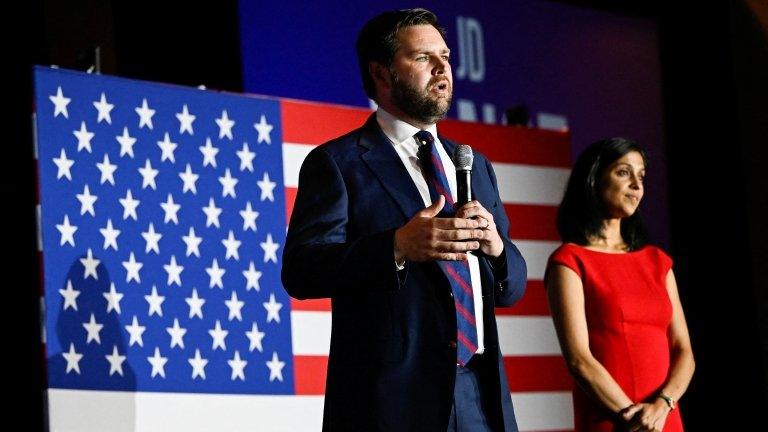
column 714, row 59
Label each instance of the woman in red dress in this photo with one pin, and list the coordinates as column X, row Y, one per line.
column 614, row 299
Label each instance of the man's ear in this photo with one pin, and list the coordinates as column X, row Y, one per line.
column 380, row 75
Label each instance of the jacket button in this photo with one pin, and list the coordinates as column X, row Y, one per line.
column 452, row 344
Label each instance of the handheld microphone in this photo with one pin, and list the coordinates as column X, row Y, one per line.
column 462, row 159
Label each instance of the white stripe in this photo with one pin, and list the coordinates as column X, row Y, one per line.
column 293, row 157
column 530, row 184
column 80, row 411
column 39, row 223
column 86, row 410
column 35, row 148
column 43, row 319
column 518, row 336
column 523, row 184
column 543, row 411
column 536, row 253
column 527, row 336
column 311, row 332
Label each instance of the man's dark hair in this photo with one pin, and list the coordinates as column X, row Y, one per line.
column 582, row 212
column 377, row 41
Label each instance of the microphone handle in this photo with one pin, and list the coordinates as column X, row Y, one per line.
column 463, row 187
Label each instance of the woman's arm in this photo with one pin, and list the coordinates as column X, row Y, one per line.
column 566, row 301
column 652, row 414
column 682, row 364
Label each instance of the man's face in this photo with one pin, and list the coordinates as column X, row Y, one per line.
column 422, row 84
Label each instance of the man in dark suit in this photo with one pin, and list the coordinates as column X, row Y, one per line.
column 368, row 232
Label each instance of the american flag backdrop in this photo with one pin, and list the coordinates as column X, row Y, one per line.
column 162, row 216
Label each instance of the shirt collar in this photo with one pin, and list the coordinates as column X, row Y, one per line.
column 399, row 131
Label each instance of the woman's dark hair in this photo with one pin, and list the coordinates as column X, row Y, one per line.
column 582, row 212
column 377, row 41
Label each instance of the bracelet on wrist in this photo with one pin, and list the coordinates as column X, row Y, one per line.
column 671, row 403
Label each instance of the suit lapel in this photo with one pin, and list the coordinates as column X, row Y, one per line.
column 382, row 159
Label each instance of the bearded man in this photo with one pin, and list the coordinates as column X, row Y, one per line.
column 413, row 279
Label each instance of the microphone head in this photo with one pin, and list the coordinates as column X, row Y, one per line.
column 463, row 157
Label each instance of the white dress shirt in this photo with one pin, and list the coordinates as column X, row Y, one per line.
column 401, row 135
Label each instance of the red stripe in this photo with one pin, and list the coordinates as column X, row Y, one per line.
column 541, row 373
column 310, row 373
column 468, row 343
column 534, row 302
column 458, row 278
column 438, row 164
column 512, row 144
column 532, row 222
column 465, row 313
column 315, row 123
column 439, row 188
column 524, row 374
column 315, row 305
column 290, row 200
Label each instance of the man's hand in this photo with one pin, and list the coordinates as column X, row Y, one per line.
column 490, row 242
column 426, row 237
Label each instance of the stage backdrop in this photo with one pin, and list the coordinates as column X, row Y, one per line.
column 162, row 217
column 598, row 72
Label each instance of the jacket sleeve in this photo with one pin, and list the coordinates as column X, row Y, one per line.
column 319, row 260
column 511, row 273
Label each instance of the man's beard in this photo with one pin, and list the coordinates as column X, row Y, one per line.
column 416, row 103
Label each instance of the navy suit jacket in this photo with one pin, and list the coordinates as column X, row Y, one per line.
column 392, row 360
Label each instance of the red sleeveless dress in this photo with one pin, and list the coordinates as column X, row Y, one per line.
column 628, row 313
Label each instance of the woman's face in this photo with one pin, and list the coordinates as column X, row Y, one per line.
column 621, row 186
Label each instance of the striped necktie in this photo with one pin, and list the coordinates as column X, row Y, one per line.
column 457, row 272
